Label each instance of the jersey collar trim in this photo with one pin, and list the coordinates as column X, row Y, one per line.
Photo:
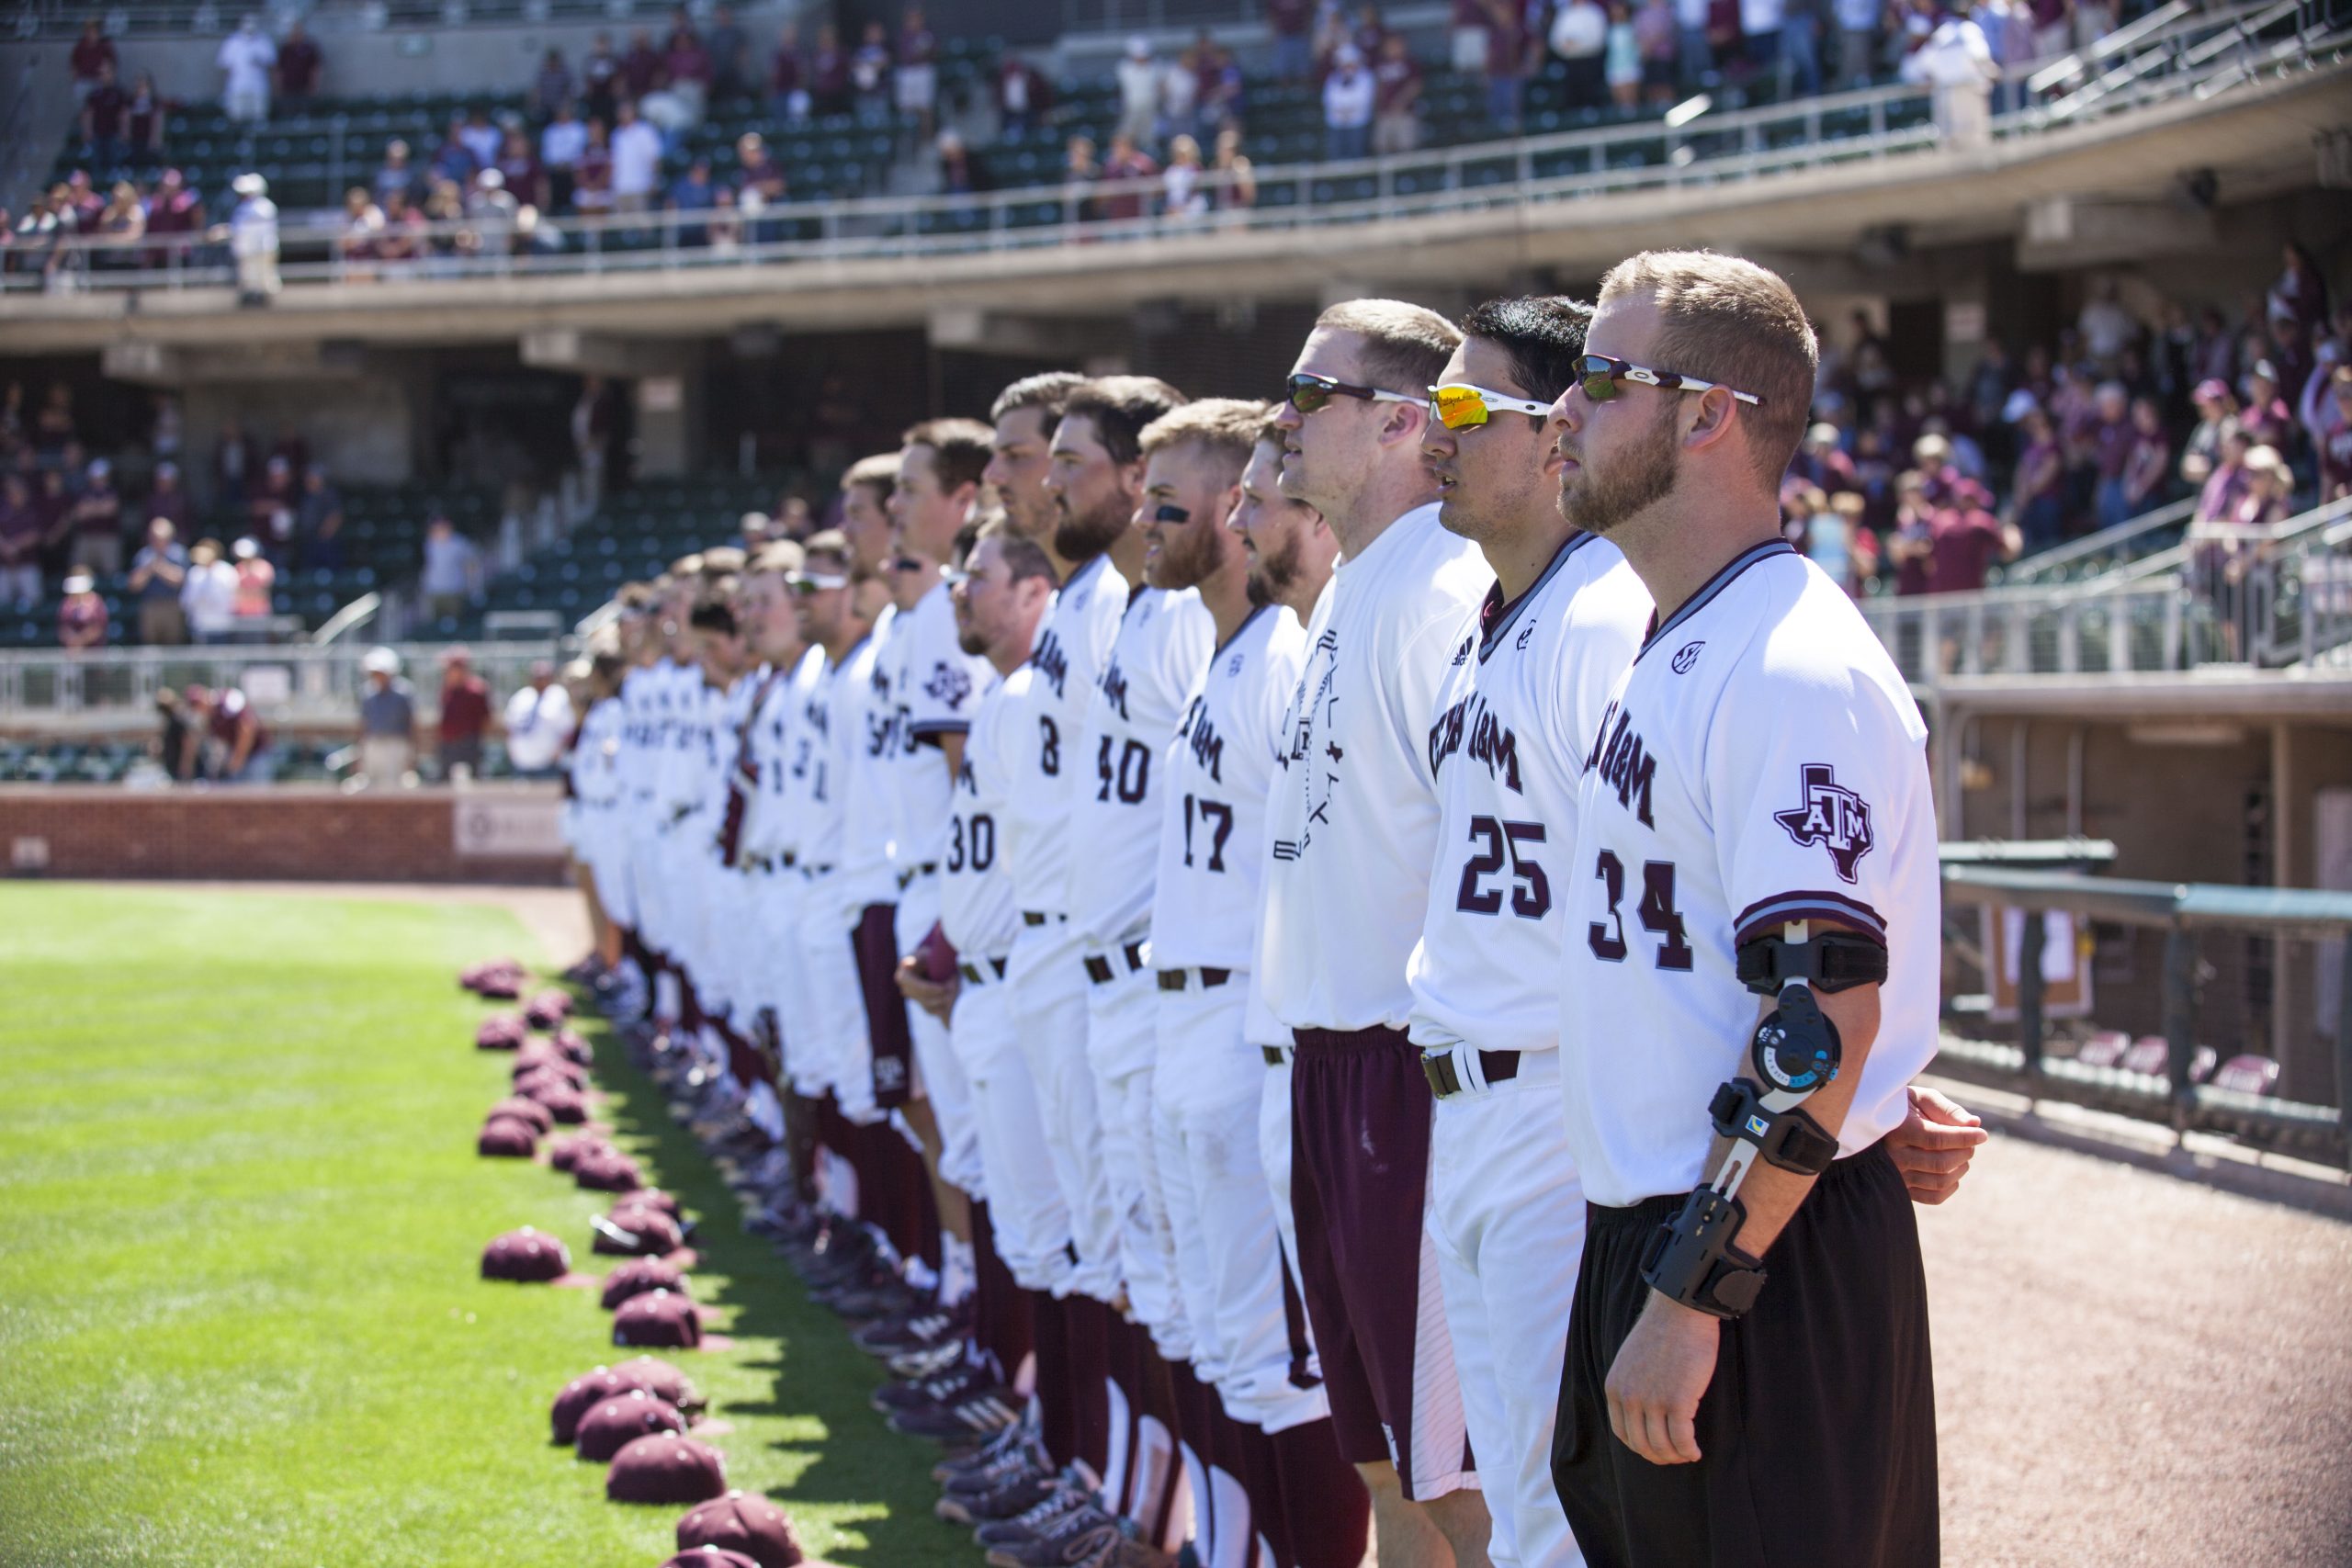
column 1239, row 632
column 1495, row 617
column 1714, row 585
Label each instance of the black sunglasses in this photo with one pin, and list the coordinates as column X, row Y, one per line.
column 1308, row 394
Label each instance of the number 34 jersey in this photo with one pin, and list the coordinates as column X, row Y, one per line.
column 1515, row 712
column 1760, row 762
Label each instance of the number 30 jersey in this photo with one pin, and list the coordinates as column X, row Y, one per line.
column 1515, row 712
column 1760, row 762
column 976, row 884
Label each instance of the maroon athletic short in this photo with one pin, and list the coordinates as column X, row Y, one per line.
column 1360, row 1160
column 876, row 944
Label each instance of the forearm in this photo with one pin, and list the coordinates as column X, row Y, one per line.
column 1771, row 1195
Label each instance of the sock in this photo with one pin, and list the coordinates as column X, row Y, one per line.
column 1057, row 1413
column 955, row 1271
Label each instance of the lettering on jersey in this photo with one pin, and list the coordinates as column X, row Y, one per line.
column 1208, row 745
column 1687, row 655
column 1624, row 763
column 1114, row 687
column 889, row 1074
column 1051, row 659
column 1233, row 665
column 1526, row 635
column 1832, row 816
column 949, row 684
column 1470, row 726
column 1316, row 697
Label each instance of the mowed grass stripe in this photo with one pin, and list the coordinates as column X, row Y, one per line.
column 240, row 1217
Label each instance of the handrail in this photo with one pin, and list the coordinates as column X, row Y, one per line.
column 351, row 616
column 2058, row 556
column 2067, row 67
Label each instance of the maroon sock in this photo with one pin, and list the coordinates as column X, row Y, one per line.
column 1090, row 1370
column 1002, row 1312
column 1057, row 1411
column 1198, row 1417
column 1325, row 1511
column 1156, row 1384
column 1247, row 1454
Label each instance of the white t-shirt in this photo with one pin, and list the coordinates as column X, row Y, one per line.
column 1161, row 648
column 866, row 722
column 209, row 598
column 932, row 689
column 1760, row 762
column 1347, row 98
column 1352, row 825
column 1520, row 699
column 247, row 58
column 975, row 880
column 537, row 722
column 637, row 159
column 1073, row 642
column 1213, row 818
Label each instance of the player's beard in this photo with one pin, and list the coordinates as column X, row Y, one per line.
column 1272, row 575
column 1637, row 478
column 1081, row 538
column 1188, row 554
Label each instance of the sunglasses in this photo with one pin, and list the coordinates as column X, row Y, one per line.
column 807, row 582
column 1463, row 407
column 1310, row 394
column 1598, row 374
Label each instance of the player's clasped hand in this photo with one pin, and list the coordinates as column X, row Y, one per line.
column 1934, row 1144
column 935, row 999
column 1656, row 1380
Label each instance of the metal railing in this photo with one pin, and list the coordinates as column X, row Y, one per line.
column 2262, row 597
column 2241, row 970
column 1490, row 178
column 2109, row 547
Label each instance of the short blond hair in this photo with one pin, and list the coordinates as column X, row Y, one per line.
column 1405, row 345
column 1225, row 429
column 879, row 472
column 1728, row 321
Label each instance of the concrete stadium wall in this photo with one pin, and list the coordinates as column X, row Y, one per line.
column 294, row 832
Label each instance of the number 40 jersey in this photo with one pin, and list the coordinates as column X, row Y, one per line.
column 1515, row 715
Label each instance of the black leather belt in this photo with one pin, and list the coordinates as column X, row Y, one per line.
column 1173, row 979
column 1499, row 1067
column 1275, row 1056
column 825, row 870
column 972, row 971
column 1098, row 967
column 1039, row 918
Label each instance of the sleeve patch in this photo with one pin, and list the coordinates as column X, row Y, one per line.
column 1832, row 816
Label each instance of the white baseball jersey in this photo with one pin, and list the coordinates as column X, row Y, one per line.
column 1073, row 643
column 1213, row 820
column 769, row 832
column 976, row 883
column 820, row 755
column 1162, row 644
column 1352, row 823
column 932, row 692
column 1521, row 698
column 870, row 741
column 1760, row 762
column 595, row 766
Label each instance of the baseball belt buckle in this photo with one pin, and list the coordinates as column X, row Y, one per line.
column 1446, row 1078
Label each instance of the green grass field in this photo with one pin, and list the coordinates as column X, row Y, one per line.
column 240, row 1221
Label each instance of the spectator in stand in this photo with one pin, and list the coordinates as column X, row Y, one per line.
column 519, row 170
column 592, row 178
column 561, row 143
column 232, row 460
column 124, row 222
column 828, row 71
column 106, row 110
column 1579, row 38
column 870, row 75
column 1507, row 51
column 1183, row 200
column 1396, row 97
column 553, row 86
column 2331, row 432
column 452, row 160
column 158, row 573
column 1138, row 78
column 2270, row 487
column 1910, row 542
column 98, row 522
column 395, row 174
column 318, row 521
column 1966, row 539
column 92, row 57
column 640, row 69
column 225, row 724
column 2147, row 474
column 256, row 598
column 1858, row 42
column 82, row 616
column 209, row 598
column 788, row 78
column 1370, row 32
column 599, row 79
column 465, row 716
column 452, row 578
column 387, row 723
column 2266, row 418
column 1233, row 180
column 299, row 65
column 1179, row 99
column 21, row 527
column 760, row 186
column 1126, row 163
column 686, row 70
column 1292, row 24
column 2110, row 440
column 355, row 243
column 144, row 122
column 400, row 245
column 481, row 138
column 636, row 162
column 1347, row 106
column 961, row 171
column 270, row 510
column 916, row 79
column 731, row 52
column 246, row 59
column 692, row 192
column 1022, row 96
column 1621, row 57
column 1223, row 90
column 56, row 507
column 538, row 722
column 2108, row 328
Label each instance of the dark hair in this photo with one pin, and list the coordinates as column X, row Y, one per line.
column 1540, row 335
column 1047, row 392
column 960, row 449
column 1023, row 557
column 1403, row 346
column 1119, row 407
column 712, row 614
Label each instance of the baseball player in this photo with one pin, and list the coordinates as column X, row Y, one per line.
column 1024, row 419
column 592, row 765
column 1755, row 837
column 1353, row 833
column 1524, row 684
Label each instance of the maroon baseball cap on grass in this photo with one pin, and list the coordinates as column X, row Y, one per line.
column 666, row 1469
column 522, row 1108
column 611, row 1425
column 747, row 1524
column 659, row 1377
column 569, row 1150
column 582, row 1395
column 710, row 1557
column 507, row 1137
column 636, row 1231
column 652, row 1198
column 658, row 1318
column 567, row 1106
column 569, row 1042
column 528, row 1255
column 546, row 1010
column 639, row 1275
column 607, row 1170
column 500, row 1031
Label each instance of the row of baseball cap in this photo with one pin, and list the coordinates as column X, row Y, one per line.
column 634, row 1418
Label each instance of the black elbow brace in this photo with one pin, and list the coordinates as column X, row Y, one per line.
column 1833, row 960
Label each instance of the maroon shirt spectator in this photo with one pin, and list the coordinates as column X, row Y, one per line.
column 92, row 50
column 1965, row 539
column 1125, row 162
column 105, row 113
column 168, row 499
column 82, row 618
column 2111, row 435
column 1395, row 83
column 2332, row 435
column 640, row 69
column 465, row 713
column 298, row 64
column 22, row 524
column 143, row 119
column 227, row 717
column 785, row 74
column 829, row 73
column 600, row 71
column 686, row 59
column 520, row 169
column 2149, row 463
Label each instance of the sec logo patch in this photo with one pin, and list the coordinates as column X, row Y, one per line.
column 1686, row 656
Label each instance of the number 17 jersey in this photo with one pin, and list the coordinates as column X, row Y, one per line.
column 1516, row 706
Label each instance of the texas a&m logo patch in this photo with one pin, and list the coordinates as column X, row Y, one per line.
column 1832, row 816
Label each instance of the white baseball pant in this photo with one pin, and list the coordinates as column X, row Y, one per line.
column 943, row 1083
column 1026, row 1207
column 1123, row 1046
column 1049, row 1010
column 833, row 1013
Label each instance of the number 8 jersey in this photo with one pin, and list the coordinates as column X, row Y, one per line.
column 1506, row 746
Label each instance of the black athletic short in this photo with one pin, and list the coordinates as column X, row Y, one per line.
column 1818, row 1434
